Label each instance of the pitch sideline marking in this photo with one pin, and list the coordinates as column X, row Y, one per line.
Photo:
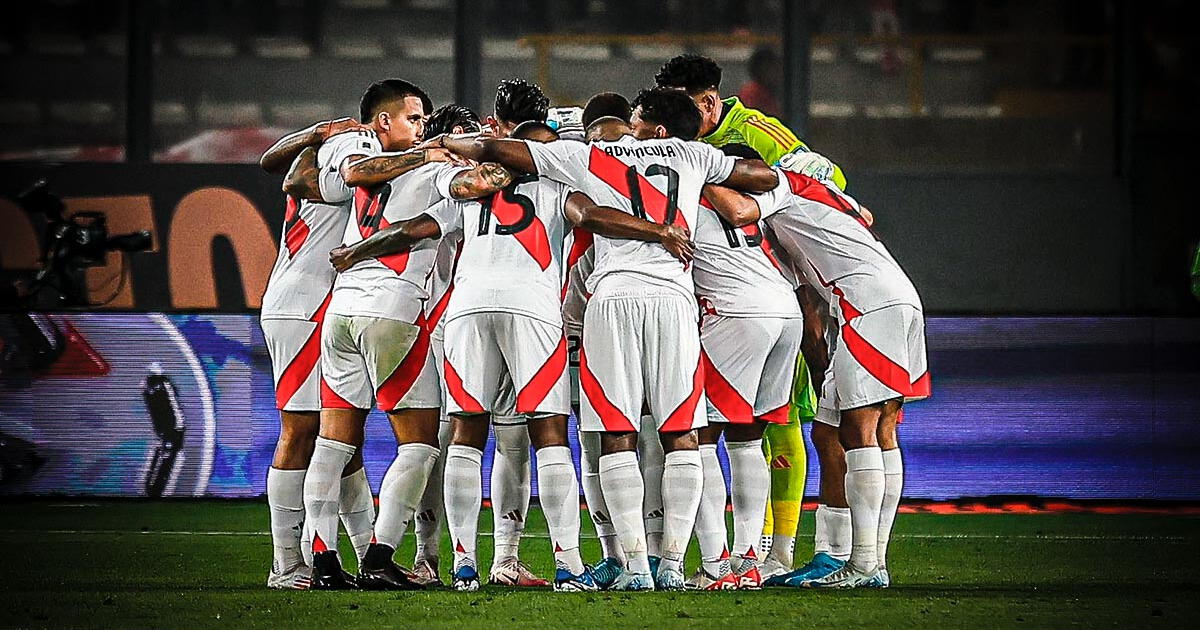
column 1048, row 537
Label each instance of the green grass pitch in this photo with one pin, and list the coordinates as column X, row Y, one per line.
column 203, row 564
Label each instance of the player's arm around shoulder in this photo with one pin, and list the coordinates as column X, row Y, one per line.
column 612, row 223
column 774, row 141
column 393, row 239
column 735, row 207
column 302, row 179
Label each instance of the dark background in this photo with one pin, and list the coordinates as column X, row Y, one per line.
column 1020, row 157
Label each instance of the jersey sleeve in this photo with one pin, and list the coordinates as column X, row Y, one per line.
column 330, row 156
column 443, row 178
column 715, row 165
column 563, row 161
column 774, row 200
column 769, row 137
column 448, row 215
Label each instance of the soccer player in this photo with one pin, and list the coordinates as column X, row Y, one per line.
column 640, row 342
column 878, row 363
column 293, row 311
column 728, row 121
column 517, row 101
column 430, row 514
column 743, row 296
column 293, row 308
column 375, row 348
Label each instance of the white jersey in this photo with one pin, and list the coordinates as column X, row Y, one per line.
column 441, row 281
column 659, row 180
column 392, row 286
column 842, row 258
column 512, row 252
column 302, row 276
column 737, row 274
column 580, row 259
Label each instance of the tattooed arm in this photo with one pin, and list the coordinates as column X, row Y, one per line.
column 481, row 181
column 390, row 240
column 301, row 179
column 285, row 150
column 511, row 153
column 368, row 172
column 610, row 222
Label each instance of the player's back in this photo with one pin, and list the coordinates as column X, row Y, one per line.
column 302, row 276
column 657, row 179
column 391, row 286
column 843, row 258
column 512, row 251
column 736, row 273
column 580, row 260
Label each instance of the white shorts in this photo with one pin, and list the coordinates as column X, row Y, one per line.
column 373, row 361
column 640, row 346
column 879, row 356
column 295, row 349
column 749, row 367
column 489, row 353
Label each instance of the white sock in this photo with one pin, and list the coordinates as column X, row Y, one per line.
column 589, row 465
column 650, row 459
column 893, row 484
column 558, row 492
column 833, row 532
column 682, row 485
column 750, row 478
column 510, row 490
column 357, row 510
column 464, row 493
column 782, row 549
column 427, row 523
column 624, row 492
column 711, row 535
column 401, row 491
column 864, row 492
column 323, row 489
column 285, row 497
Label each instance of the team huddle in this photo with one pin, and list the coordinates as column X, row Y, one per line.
column 675, row 269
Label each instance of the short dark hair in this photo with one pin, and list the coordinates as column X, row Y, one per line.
column 672, row 109
column 445, row 118
column 739, row 150
column 380, row 93
column 532, row 129
column 605, row 104
column 518, row 100
column 693, row 73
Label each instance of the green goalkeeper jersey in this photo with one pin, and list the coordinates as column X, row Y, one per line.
column 768, row 136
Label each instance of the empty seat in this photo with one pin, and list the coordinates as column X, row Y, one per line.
column 215, row 114
column 364, row 4
column 19, row 112
column 438, row 48
column 892, row 110
column 728, row 53
column 830, row 109
column 508, row 49
column 63, row 45
column 824, row 54
column 972, row 111
column 654, row 52
column 874, row 53
column 171, row 113
column 300, row 113
column 357, row 48
column 205, row 46
column 83, row 112
column 281, row 48
column 581, row 52
column 957, row 54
